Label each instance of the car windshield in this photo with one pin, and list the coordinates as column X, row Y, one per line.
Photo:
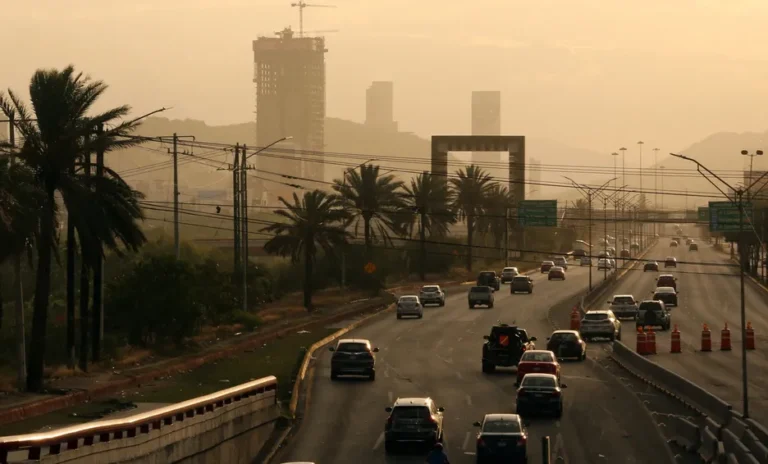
column 649, row 306
column 650, row 263
column 408, row 299
column 665, row 290
column 560, row 260
column 556, row 269
column 480, row 290
column 502, row 426
column 537, row 357
column 429, row 289
column 509, row 269
column 623, row 300
column 410, row 412
column 520, row 279
column 352, row 347
column 487, row 274
column 563, row 337
column 596, row 316
column 539, row 381
column 671, row 259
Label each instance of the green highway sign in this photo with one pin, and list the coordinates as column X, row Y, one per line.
column 724, row 216
column 537, row 213
column 703, row 214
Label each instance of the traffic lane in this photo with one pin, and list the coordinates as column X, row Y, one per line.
column 345, row 419
column 711, row 295
column 420, row 357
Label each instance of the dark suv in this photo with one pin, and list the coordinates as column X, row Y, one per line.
column 489, row 279
column 505, row 346
column 353, row 357
column 653, row 313
column 413, row 420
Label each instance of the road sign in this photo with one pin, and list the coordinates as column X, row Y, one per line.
column 537, row 213
column 703, row 214
column 724, row 216
column 504, row 340
column 370, row 268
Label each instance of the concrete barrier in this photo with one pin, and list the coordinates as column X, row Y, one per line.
column 686, row 433
column 710, row 446
column 733, row 445
column 758, row 449
column 227, row 426
column 759, row 430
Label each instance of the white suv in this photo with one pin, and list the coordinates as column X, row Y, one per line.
column 432, row 294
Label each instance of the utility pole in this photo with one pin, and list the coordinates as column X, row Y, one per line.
column 640, row 145
column 236, row 207
column 589, row 205
column 506, row 237
column 98, row 261
column 18, row 290
column 656, row 186
column 244, row 216
column 605, row 227
column 176, row 243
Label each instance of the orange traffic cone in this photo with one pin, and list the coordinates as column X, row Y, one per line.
column 651, row 341
column 750, row 341
column 706, row 338
column 725, row 338
column 641, row 341
column 676, row 347
column 575, row 319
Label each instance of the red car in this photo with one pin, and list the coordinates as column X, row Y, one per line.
column 538, row 362
column 546, row 266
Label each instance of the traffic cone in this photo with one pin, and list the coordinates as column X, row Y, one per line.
column 750, row 341
column 575, row 319
column 706, row 338
column 641, row 341
column 725, row 338
column 676, row 346
column 651, row 341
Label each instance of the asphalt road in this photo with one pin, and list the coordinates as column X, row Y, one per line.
column 439, row 356
column 708, row 294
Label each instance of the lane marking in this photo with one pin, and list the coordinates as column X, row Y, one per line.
column 470, row 453
column 390, row 396
column 386, row 373
column 379, row 441
column 459, row 339
column 459, row 376
column 559, row 448
column 466, row 441
column 469, row 400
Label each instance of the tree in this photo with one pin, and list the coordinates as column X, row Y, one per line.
column 55, row 138
column 495, row 220
column 372, row 199
column 427, row 202
column 314, row 222
column 470, row 188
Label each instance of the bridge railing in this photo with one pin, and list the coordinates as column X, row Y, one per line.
column 84, row 435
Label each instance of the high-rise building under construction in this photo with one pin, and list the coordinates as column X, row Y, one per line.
column 289, row 73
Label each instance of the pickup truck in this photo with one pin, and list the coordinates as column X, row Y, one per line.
column 505, row 346
column 490, row 279
column 624, row 306
column 480, row 295
column 653, row 313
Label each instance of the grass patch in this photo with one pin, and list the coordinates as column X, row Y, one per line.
column 281, row 358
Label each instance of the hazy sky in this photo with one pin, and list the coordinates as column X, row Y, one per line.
column 592, row 73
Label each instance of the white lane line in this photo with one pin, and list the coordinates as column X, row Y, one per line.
column 390, row 396
column 438, row 344
column 459, row 339
column 386, row 373
column 458, row 375
column 469, row 400
column 469, row 453
column 379, row 441
column 559, row 449
column 466, row 441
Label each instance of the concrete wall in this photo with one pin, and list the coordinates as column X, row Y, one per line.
column 231, row 434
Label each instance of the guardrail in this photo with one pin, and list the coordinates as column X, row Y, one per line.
column 104, row 431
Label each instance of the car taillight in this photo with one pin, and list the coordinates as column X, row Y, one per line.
column 555, row 394
column 521, row 392
column 480, row 442
column 433, row 421
column 522, row 441
column 389, row 421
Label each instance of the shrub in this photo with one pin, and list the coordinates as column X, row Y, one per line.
column 249, row 321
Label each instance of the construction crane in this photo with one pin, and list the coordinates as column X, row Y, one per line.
column 287, row 33
column 301, row 4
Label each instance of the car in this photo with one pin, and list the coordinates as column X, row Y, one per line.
column 353, row 356
column 585, row 261
column 432, row 294
column 556, row 272
column 579, row 252
column 693, row 247
column 600, row 324
column 480, row 296
column 612, row 262
column 502, row 437
column 635, row 246
column 567, row 344
column 673, row 244
column 651, row 266
column 625, row 241
column 666, row 294
column 670, row 262
column 561, row 262
column 623, row 306
column 508, row 273
column 653, row 313
column 546, row 266
column 603, row 264
column 409, row 305
column 539, row 362
column 603, row 255
column 611, row 251
column 521, row 283
column 667, row 280
column 540, row 393
column 413, row 420
column 625, row 253
column 505, row 346
column 490, row 279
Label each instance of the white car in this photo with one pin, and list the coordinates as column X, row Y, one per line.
column 409, row 305
column 432, row 294
column 585, row 261
column 509, row 273
column 603, row 263
column 602, row 324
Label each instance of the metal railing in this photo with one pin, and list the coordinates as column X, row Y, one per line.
column 77, row 436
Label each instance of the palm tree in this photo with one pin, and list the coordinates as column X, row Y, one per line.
column 372, row 199
column 495, row 220
column 312, row 223
column 55, row 140
column 427, row 201
column 470, row 188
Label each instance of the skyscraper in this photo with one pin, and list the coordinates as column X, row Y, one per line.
column 379, row 106
column 486, row 120
column 289, row 73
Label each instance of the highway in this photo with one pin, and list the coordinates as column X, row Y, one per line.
column 708, row 294
column 439, row 356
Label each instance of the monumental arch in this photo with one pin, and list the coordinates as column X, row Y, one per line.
column 514, row 145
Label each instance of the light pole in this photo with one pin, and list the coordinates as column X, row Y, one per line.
column 623, row 151
column 655, row 186
column 738, row 200
column 589, row 193
column 615, row 211
column 606, row 198
column 640, row 146
column 751, row 161
column 661, row 168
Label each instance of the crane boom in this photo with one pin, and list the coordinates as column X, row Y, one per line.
column 301, row 4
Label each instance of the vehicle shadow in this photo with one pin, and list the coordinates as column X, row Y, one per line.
column 408, row 452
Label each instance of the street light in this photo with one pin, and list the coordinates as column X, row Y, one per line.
column 606, row 198
column 751, row 160
column 739, row 202
column 656, row 187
